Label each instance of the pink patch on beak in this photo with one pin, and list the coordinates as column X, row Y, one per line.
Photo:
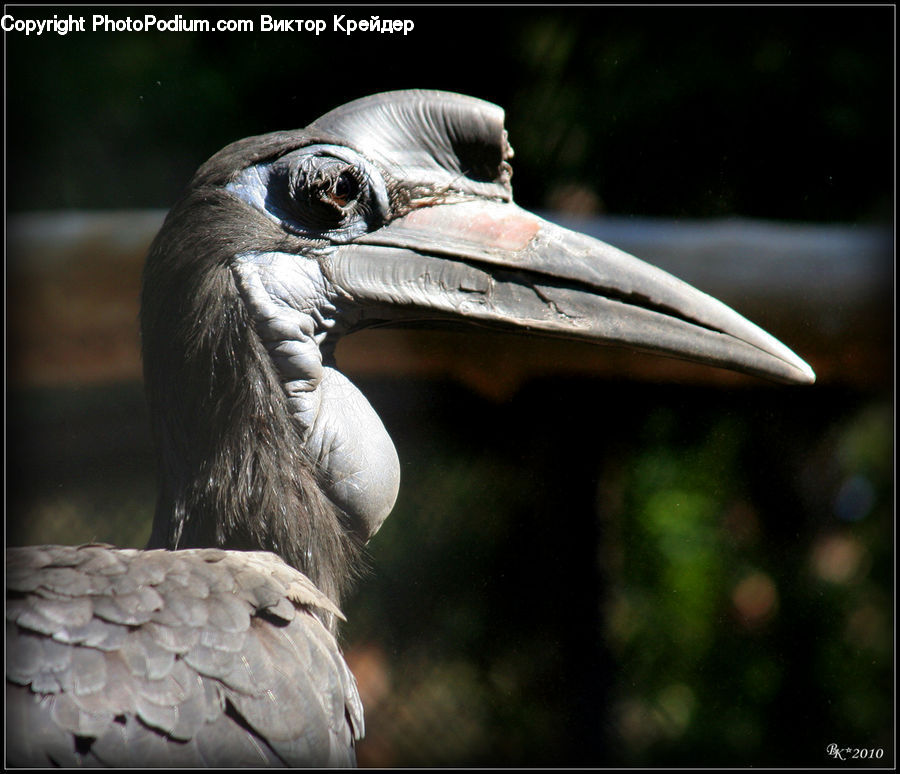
column 508, row 231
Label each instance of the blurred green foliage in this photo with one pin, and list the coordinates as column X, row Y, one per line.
column 718, row 599
column 588, row 573
column 741, row 619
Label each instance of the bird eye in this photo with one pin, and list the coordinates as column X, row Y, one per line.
column 344, row 190
column 320, row 191
column 327, row 193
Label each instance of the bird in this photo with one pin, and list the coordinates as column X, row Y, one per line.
column 216, row 644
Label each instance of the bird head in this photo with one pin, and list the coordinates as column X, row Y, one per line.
column 390, row 210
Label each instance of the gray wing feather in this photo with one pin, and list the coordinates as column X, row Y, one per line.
column 204, row 657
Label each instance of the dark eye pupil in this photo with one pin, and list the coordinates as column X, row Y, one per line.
column 342, row 187
column 344, row 190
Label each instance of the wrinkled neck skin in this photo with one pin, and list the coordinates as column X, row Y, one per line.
column 294, row 312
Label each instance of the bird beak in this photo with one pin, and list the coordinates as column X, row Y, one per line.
column 496, row 264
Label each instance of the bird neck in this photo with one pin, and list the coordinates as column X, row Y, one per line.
column 234, row 465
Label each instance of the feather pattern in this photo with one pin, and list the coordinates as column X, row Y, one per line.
column 198, row 657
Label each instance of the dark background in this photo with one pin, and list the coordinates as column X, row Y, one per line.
column 580, row 570
column 763, row 112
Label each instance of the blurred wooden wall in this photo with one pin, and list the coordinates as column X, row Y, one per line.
column 73, row 281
